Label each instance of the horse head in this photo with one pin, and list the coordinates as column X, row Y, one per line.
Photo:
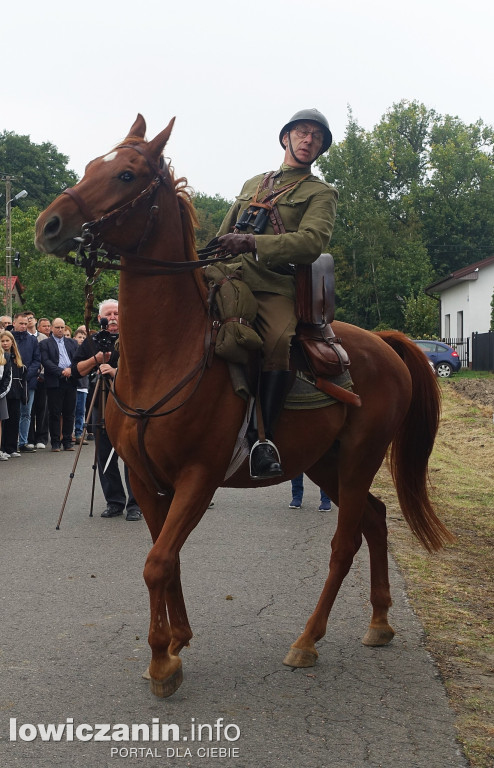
column 111, row 185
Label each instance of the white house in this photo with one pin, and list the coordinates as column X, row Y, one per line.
column 465, row 297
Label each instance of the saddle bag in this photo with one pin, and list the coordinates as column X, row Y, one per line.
column 237, row 309
column 315, row 311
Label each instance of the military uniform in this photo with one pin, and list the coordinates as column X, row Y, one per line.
column 308, row 212
column 299, row 211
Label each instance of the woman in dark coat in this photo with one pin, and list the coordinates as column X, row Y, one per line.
column 10, row 431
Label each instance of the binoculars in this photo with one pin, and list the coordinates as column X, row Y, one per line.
column 254, row 216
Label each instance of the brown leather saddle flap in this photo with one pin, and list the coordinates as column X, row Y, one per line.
column 322, row 350
column 315, row 291
column 315, row 311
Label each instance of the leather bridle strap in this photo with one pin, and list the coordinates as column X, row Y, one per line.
column 147, row 157
column 142, row 415
column 74, row 194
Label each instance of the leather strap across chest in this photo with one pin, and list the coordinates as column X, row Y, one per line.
column 274, row 196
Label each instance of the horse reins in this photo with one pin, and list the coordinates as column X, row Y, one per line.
column 95, row 255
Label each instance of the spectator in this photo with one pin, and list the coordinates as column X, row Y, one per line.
column 82, row 390
column 30, row 354
column 11, row 426
column 5, row 321
column 57, row 353
column 87, row 360
column 68, row 332
column 44, row 326
column 31, row 322
column 38, row 426
column 298, row 495
column 5, row 385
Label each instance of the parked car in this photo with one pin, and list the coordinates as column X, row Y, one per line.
column 443, row 357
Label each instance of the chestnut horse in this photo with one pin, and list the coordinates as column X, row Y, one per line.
column 174, row 417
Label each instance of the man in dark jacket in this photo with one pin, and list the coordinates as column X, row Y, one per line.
column 89, row 359
column 57, row 353
column 38, row 429
column 29, row 351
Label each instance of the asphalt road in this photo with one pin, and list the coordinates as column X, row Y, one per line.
column 74, row 625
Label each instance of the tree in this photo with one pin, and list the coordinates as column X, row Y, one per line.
column 457, row 200
column 51, row 287
column 56, row 289
column 421, row 317
column 416, row 202
column 39, row 168
column 210, row 213
column 379, row 254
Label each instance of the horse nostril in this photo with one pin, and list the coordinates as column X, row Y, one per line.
column 52, row 227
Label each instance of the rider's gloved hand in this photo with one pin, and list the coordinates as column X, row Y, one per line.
column 237, row 243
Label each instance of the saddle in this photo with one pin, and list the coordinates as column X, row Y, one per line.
column 317, row 351
column 321, row 351
column 314, row 307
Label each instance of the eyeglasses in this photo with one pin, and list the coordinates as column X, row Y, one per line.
column 302, row 132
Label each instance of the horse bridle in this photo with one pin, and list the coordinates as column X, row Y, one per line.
column 94, row 254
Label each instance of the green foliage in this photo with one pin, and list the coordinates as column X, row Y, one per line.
column 458, row 199
column 51, row 287
column 38, row 168
column 416, row 202
column 55, row 289
column 210, row 213
column 421, row 317
column 22, row 228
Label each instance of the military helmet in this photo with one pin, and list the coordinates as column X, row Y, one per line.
column 315, row 117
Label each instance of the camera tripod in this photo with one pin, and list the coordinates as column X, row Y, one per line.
column 101, row 389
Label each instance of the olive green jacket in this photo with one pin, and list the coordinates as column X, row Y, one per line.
column 308, row 213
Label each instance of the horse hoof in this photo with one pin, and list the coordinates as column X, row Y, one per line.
column 145, row 675
column 377, row 636
column 298, row 657
column 164, row 688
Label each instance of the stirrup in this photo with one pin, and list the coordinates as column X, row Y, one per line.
column 273, row 459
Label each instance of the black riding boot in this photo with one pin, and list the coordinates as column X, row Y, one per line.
column 264, row 456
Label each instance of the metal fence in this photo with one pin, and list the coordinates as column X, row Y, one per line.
column 483, row 351
column 462, row 346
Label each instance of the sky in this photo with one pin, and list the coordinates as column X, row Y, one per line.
column 233, row 73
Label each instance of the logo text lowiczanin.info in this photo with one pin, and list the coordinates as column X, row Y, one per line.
column 155, row 731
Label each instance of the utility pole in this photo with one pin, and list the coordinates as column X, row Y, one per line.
column 8, row 246
column 8, row 242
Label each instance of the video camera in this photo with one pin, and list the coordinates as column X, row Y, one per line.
column 104, row 340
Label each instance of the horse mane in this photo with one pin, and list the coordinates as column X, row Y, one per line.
column 187, row 212
column 184, row 197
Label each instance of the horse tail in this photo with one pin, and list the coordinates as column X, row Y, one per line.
column 413, row 444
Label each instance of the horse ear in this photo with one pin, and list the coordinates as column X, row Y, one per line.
column 158, row 143
column 139, row 127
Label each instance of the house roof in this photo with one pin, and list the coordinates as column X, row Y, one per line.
column 14, row 283
column 470, row 272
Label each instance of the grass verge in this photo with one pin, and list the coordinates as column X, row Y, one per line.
column 452, row 591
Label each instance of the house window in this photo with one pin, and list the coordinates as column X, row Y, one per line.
column 447, row 326
column 459, row 325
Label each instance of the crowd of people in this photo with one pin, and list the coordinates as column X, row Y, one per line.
column 47, row 375
column 46, row 386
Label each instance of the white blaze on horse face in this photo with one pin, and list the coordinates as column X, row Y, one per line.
column 110, row 156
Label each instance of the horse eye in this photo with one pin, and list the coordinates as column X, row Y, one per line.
column 126, row 176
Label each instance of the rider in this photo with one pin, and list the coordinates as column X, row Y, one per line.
column 280, row 219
